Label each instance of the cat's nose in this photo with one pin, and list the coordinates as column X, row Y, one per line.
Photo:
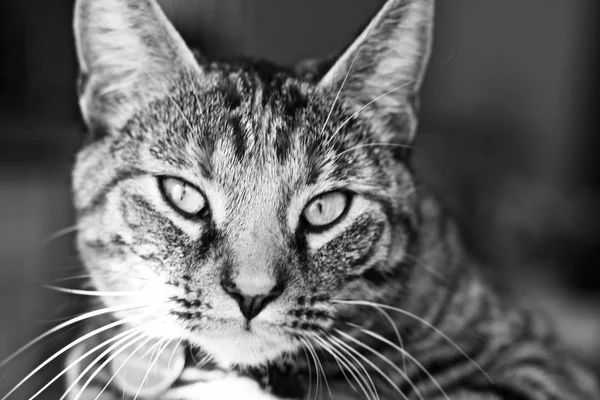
column 250, row 302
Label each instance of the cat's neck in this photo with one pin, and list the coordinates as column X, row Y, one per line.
column 441, row 267
column 445, row 283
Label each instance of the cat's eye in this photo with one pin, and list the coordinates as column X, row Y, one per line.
column 326, row 209
column 182, row 196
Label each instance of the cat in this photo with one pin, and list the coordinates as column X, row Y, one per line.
column 258, row 232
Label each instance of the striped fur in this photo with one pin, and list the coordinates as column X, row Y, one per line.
column 259, row 142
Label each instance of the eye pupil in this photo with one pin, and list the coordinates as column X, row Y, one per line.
column 320, row 207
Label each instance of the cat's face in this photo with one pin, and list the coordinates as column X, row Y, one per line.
column 233, row 202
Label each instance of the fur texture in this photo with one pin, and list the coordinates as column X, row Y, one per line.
column 386, row 291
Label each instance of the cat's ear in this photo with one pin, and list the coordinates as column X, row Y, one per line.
column 384, row 67
column 129, row 54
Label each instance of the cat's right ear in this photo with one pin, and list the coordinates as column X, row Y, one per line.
column 379, row 75
column 129, row 54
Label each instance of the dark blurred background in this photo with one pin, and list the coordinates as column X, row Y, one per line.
column 508, row 139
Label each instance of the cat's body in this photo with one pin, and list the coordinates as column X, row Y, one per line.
column 258, row 214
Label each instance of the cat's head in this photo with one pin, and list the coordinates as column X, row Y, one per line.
column 234, row 201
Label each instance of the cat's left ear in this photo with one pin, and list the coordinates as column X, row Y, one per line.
column 384, row 68
column 129, row 54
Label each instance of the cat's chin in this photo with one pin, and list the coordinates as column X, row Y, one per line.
column 243, row 348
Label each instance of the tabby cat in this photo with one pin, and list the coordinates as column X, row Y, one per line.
column 254, row 232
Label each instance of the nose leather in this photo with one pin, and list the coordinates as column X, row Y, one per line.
column 252, row 305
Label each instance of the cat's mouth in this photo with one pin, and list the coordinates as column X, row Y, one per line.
column 244, row 343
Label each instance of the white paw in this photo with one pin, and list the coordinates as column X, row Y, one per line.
column 229, row 387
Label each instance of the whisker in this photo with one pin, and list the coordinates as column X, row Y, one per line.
column 152, row 363
column 387, row 361
column 66, row 348
column 339, row 92
column 340, row 362
column 90, row 292
column 173, row 353
column 177, row 106
column 152, row 349
column 423, row 321
column 309, row 370
column 204, row 359
column 36, row 280
column 366, row 360
column 82, row 357
column 396, row 332
column 322, row 371
column 132, row 335
column 59, row 233
column 111, row 272
column 104, row 271
column 70, row 322
column 72, row 278
column 27, row 281
column 108, row 360
column 376, row 99
column 362, row 379
column 312, row 356
column 413, row 359
column 365, row 374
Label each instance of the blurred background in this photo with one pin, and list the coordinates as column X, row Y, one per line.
column 508, row 139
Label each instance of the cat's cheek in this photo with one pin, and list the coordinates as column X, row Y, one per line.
column 137, row 292
column 345, row 258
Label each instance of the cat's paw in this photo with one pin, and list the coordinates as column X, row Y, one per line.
column 228, row 387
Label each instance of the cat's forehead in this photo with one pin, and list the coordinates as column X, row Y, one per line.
column 271, row 97
column 248, row 117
